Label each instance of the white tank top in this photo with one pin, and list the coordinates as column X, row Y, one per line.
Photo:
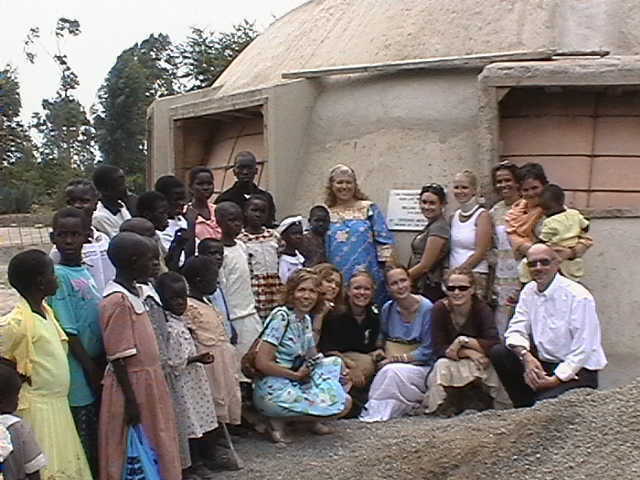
column 463, row 241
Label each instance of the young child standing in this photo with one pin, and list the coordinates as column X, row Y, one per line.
column 190, row 386
column 210, row 335
column 135, row 390
column 291, row 260
column 180, row 229
column 262, row 249
column 564, row 227
column 31, row 337
column 213, row 247
column 110, row 211
column 26, row 459
column 235, row 278
column 76, row 306
column 313, row 248
column 82, row 194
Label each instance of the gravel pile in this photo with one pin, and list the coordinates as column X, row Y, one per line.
column 583, row 435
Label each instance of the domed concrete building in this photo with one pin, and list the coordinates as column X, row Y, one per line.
column 410, row 92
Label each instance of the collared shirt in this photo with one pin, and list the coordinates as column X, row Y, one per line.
column 108, row 223
column 564, row 325
column 235, row 195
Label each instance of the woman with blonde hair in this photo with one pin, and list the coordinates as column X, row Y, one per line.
column 358, row 236
column 470, row 231
column 298, row 385
column 399, row 386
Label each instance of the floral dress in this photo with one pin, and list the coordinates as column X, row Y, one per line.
column 320, row 395
column 191, row 384
column 506, row 284
column 359, row 238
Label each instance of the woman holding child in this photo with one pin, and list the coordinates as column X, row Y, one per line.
column 358, row 236
column 297, row 386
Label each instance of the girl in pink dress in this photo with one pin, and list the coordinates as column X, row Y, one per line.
column 135, row 390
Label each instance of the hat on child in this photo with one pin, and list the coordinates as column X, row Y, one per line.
column 288, row 222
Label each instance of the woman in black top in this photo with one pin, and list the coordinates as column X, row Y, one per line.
column 352, row 333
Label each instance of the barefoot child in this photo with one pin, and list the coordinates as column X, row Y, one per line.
column 235, row 278
column 26, row 459
column 135, row 390
column 76, row 305
column 210, row 335
column 313, row 248
column 291, row 260
column 190, row 386
column 82, row 194
column 262, row 247
column 31, row 337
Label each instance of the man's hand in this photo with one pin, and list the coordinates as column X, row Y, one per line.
column 533, row 371
column 547, row 382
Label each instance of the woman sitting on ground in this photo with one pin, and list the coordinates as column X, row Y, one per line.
column 463, row 331
column 399, row 386
column 351, row 332
column 331, row 294
column 297, row 386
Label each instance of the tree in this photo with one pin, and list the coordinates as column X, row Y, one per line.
column 15, row 141
column 206, row 54
column 141, row 73
column 68, row 137
column 17, row 160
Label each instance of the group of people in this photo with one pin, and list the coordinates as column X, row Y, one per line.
column 186, row 316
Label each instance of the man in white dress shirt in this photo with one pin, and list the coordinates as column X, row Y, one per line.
column 553, row 342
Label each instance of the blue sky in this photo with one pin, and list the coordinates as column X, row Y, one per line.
column 108, row 27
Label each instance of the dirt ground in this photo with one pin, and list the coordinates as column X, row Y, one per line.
column 585, row 434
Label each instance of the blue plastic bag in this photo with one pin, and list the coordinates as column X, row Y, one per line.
column 142, row 462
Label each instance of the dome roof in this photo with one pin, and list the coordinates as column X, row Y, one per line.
column 329, row 33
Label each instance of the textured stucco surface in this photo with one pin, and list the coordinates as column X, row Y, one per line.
column 324, row 33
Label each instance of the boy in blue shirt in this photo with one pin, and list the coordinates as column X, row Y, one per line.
column 76, row 307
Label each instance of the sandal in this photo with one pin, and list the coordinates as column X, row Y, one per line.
column 278, row 436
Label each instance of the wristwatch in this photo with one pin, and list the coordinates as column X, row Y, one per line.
column 464, row 340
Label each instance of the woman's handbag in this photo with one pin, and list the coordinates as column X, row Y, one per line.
column 142, row 462
column 392, row 347
column 248, row 361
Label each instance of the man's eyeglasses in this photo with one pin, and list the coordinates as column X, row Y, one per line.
column 462, row 288
column 543, row 262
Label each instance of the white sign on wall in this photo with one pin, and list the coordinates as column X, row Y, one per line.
column 403, row 211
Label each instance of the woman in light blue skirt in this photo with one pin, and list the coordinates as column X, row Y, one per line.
column 298, row 385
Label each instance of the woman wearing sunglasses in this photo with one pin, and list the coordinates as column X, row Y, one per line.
column 463, row 332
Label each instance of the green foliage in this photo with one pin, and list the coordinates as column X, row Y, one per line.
column 206, row 54
column 141, row 73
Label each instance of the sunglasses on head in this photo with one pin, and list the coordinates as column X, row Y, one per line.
column 543, row 262
column 462, row 288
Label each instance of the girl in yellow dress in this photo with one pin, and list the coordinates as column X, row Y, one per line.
column 31, row 337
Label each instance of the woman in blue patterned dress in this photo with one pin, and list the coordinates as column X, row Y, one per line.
column 298, row 385
column 358, row 237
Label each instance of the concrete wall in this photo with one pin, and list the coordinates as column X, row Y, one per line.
column 614, row 279
column 396, row 131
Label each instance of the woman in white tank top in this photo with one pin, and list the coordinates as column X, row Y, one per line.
column 470, row 231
